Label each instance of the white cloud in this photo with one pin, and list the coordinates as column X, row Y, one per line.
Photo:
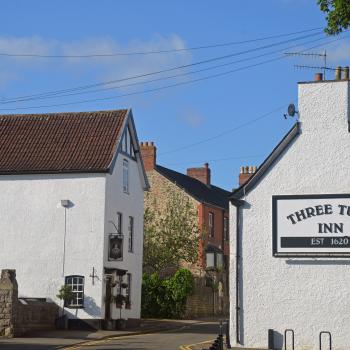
column 339, row 53
column 98, row 68
column 192, row 118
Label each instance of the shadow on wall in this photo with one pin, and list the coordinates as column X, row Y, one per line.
column 317, row 262
column 91, row 307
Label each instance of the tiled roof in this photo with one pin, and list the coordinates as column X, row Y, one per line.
column 197, row 189
column 59, row 142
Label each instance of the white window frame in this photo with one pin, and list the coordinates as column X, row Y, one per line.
column 76, row 282
column 125, row 176
column 211, row 224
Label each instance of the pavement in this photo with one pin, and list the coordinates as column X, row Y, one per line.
column 60, row 339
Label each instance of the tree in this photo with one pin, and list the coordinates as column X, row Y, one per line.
column 337, row 15
column 171, row 232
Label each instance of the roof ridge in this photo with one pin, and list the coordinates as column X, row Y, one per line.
column 53, row 114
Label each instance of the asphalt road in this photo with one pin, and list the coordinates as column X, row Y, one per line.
column 169, row 340
column 200, row 334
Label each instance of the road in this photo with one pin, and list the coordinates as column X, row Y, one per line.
column 199, row 334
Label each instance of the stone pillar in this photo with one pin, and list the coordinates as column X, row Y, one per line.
column 8, row 303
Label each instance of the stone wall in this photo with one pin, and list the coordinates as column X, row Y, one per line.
column 8, row 303
column 19, row 316
column 207, row 300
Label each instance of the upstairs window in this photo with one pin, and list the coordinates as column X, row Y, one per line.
column 131, row 234
column 125, row 176
column 127, row 146
column 77, row 285
column 119, row 223
column 211, row 224
column 226, row 229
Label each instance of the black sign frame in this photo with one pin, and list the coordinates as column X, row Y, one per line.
column 275, row 252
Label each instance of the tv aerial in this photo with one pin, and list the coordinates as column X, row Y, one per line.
column 291, row 111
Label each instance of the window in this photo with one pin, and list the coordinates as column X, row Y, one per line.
column 127, row 146
column 119, row 224
column 128, row 291
column 77, row 285
column 131, row 234
column 211, row 224
column 125, row 176
column 226, row 235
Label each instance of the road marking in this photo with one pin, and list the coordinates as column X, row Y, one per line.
column 108, row 339
column 189, row 347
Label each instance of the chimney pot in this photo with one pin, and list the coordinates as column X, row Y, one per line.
column 346, row 73
column 318, row 77
column 338, row 73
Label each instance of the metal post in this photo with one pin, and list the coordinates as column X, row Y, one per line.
column 330, row 339
column 285, row 338
column 228, row 342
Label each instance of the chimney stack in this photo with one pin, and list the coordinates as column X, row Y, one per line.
column 246, row 173
column 202, row 174
column 149, row 155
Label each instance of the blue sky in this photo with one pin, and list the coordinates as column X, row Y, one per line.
column 180, row 116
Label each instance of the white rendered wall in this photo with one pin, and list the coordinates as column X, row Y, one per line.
column 307, row 295
column 32, row 230
column 129, row 204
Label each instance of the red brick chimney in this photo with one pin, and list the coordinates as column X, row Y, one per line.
column 201, row 174
column 246, row 173
column 149, row 155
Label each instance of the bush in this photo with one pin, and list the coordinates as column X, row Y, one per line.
column 166, row 298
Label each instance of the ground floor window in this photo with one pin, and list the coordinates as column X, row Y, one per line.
column 77, row 285
column 128, row 291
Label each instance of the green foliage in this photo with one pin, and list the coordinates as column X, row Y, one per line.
column 337, row 15
column 171, row 233
column 65, row 293
column 166, row 298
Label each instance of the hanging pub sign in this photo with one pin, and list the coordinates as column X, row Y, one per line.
column 311, row 225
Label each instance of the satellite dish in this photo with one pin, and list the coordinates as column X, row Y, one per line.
column 291, row 110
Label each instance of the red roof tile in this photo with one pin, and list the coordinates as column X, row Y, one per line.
column 59, row 142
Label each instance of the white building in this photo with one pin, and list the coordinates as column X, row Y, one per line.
column 290, row 266
column 71, row 209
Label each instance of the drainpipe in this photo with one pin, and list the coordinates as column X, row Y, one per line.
column 238, row 242
column 237, row 203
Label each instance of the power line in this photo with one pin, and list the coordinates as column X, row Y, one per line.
column 162, row 87
column 138, row 53
column 157, row 79
column 216, row 160
column 84, row 87
column 238, row 127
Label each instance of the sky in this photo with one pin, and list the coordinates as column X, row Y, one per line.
column 229, row 116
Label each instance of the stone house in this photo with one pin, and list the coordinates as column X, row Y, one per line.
column 290, row 228
column 72, row 188
column 211, row 205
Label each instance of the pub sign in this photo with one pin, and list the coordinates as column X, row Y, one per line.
column 311, row 225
